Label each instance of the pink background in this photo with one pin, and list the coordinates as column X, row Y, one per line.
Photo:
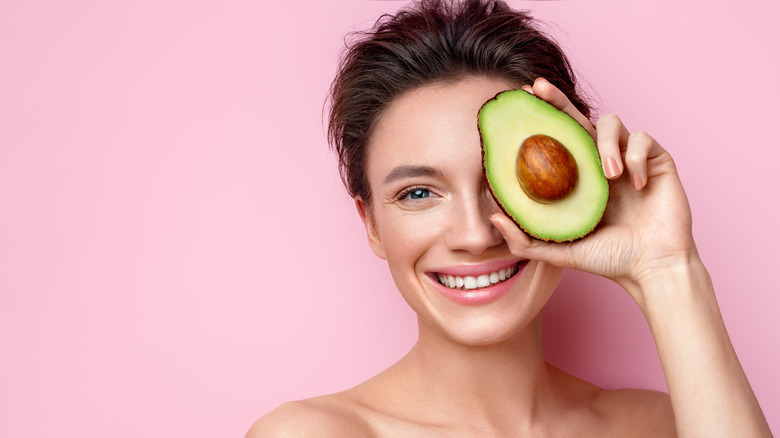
column 177, row 254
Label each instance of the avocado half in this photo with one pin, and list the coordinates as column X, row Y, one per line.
column 510, row 125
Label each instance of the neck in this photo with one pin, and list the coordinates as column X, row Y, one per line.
column 479, row 384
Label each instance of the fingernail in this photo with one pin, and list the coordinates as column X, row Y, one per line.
column 612, row 169
column 638, row 183
column 496, row 225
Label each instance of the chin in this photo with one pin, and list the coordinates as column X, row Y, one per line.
column 485, row 330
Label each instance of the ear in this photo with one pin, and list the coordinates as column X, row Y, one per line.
column 374, row 240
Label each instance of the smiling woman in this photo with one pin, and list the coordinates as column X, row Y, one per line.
column 446, row 231
column 403, row 121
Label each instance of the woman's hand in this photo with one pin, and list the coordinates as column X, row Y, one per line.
column 647, row 224
column 644, row 243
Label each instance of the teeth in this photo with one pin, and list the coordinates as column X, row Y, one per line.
column 471, row 282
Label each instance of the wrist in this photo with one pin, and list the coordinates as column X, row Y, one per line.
column 668, row 281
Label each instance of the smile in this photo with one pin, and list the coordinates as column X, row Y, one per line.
column 470, row 282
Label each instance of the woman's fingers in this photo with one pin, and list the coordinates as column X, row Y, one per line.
column 639, row 147
column 543, row 89
column 517, row 241
column 618, row 148
column 612, row 137
column 521, row 245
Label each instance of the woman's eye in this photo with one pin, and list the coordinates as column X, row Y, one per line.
column 419, row 194
column 415, row 194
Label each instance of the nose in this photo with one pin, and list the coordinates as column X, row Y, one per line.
column 470, row 229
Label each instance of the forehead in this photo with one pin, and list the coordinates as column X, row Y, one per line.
column 432, row 125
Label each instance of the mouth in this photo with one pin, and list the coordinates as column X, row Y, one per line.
column 473, row 282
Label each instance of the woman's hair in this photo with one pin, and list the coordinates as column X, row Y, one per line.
column 433, row 41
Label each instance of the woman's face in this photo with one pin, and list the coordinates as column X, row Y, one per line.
column 429, row 217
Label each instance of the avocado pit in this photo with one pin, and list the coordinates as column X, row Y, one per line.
column 546, row 170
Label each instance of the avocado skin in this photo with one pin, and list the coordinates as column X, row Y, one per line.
column 504, row 122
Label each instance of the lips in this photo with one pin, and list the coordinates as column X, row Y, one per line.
column 476, row 285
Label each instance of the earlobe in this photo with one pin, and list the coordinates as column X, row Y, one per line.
column 374, row 240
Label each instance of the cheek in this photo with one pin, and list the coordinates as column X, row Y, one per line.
column 407, row 237
column 548, row 280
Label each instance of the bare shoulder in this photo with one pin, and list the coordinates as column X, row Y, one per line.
column 325, row 416
column 639, row 412
column 621, row 412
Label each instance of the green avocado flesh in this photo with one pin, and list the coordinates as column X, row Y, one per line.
column 505, row 122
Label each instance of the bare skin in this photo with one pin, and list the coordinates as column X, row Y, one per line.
column 479, row 370
column 403, row 402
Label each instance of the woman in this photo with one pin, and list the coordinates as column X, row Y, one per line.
column 403, row 121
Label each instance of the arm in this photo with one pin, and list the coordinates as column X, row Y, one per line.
column 645, row 244
column 710, row 393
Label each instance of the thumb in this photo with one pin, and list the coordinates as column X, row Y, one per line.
column 522, row 245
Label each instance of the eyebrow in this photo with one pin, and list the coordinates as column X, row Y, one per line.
column 402, row 172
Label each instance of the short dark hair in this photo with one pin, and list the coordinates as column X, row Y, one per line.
column 433, row 41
